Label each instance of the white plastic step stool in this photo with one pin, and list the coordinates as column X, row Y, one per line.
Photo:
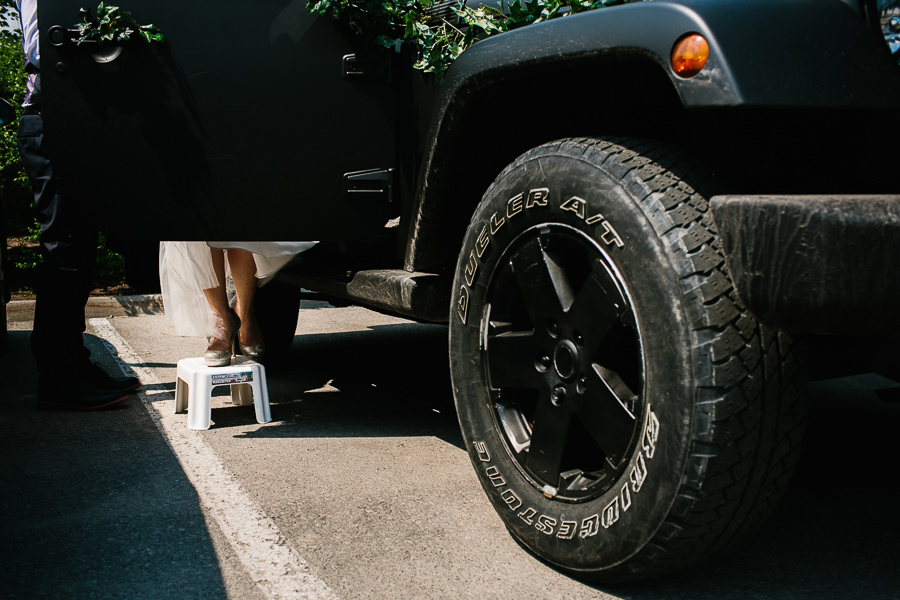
column 195, row 382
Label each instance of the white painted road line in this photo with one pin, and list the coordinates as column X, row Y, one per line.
column 271, row 562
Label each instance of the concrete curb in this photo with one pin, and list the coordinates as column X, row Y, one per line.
column 97, row 306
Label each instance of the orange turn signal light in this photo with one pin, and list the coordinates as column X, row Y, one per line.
column 689, row 55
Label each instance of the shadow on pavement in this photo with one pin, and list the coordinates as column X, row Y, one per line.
column 389, row 381
column 94, row 504
column 834, row 535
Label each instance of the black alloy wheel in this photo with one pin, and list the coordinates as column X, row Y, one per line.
column 564, row 362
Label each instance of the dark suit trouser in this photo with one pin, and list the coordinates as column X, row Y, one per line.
column 69, row 252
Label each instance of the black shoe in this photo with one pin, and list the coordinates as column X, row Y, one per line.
column 104, row 381
column 57, row 392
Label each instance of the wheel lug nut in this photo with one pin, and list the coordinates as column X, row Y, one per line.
column 581, row 386
column 558, row 395
column 542, row 363
column 578, row 338
column 553, row 328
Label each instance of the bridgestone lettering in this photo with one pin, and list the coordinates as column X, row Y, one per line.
column 590, row 526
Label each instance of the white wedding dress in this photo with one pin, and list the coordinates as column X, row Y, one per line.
column 186, row 269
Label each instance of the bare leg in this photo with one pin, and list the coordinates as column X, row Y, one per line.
column 243, row 270
column 218, row 302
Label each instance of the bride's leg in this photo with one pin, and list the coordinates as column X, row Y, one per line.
column 243, row 271
column 218, row 302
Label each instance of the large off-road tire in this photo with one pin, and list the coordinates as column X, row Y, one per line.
column 625, row 414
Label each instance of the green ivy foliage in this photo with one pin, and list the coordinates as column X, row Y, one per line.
column 439, row 35
column 111, row 24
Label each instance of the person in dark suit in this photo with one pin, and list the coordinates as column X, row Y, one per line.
column 67, row 379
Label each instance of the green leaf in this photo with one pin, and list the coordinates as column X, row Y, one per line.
column 112, row 24
column 440, row 41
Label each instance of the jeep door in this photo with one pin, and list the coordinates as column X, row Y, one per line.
column 247, row 122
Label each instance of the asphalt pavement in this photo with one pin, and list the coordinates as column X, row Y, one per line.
column 360, row 487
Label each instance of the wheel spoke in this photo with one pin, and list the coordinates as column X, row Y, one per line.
column 544, row 285
column 548, row 441
column 563, row 361
column 598, row 305
column 511, row 360
column 606, row 411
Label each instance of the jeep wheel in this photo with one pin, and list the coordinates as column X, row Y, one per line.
column 624, row 413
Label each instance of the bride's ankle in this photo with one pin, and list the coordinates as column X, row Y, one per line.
column 249, row 332
column 244, row 315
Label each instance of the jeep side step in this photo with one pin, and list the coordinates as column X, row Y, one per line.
column 419, row 296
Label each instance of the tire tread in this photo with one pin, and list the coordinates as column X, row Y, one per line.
column 742, row 453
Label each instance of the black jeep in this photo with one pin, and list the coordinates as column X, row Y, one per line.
column 629, row 250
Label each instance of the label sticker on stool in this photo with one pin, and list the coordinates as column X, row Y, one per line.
column 229, row 378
